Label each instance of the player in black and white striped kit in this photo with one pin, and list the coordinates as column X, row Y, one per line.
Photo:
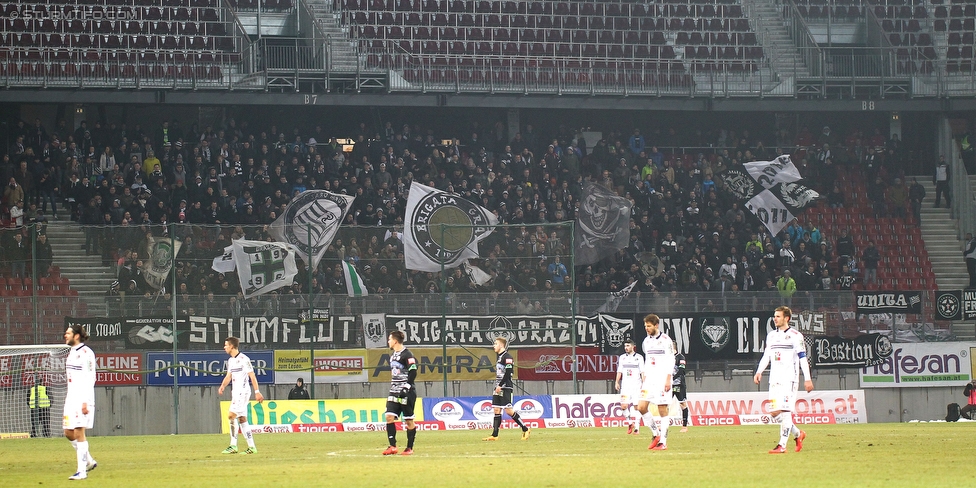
column 502, row 394
column 678, row 385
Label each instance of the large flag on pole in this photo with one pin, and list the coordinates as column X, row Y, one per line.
column 354, row 283
column 162, row 255
column 427, row 243
column 770, row 191
column 603, row 226
column 264, row 266
column 310, row 221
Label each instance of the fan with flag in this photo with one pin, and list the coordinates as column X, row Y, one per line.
column 770, row 190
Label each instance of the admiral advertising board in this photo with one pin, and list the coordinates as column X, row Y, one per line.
column 468, row 363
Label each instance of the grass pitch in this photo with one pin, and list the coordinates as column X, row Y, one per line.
column 936, row 454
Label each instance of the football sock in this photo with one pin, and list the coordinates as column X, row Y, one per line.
column 81, row 454
column 248, row 436
column 795, row 431
column 633, row 416
column 233, row 432
column 496, row 424
column 518, row 420
column 74, row 445
column 391, row 433
column 663, row 429
column 785, row 427
column 684, row 417
column 649, row 421
column 411, row 435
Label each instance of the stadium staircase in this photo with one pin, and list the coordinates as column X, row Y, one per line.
column 342, row 49
column 941, row 234
column 784, row 58
column 85, row 273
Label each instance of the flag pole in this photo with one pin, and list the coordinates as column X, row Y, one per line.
column 311, row 351
column 572, row 300
column 443, row 312
column 176, row 370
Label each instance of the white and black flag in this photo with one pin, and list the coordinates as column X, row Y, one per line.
column 310, row 222
column 442, row 229
column 779, row 197
column 603, row 226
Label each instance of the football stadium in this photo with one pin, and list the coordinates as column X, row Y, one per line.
column 494, row 232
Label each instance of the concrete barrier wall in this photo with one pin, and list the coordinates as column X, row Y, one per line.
column 148, row 410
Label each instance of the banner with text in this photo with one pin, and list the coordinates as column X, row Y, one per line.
column 725, row 408
column 556, row 363
column 471, row 363
column 340, row 331
column 863, row 350
column 203, row 367
column 331, row 366
column 921, row 364
column 481, row 330
column 328, row 412
column 123, row 366
column 21, row 370
column 869, row 302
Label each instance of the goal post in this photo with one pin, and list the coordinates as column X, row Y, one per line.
column 21, row 369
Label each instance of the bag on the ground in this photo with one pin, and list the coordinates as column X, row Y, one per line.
column 952, row 412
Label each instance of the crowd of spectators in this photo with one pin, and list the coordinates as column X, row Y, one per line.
column 127, row 183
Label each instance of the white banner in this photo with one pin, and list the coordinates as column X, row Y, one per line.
column 773, row 213
column 310, row 222
column 264, row 266
column 162, row 255
column 726, row 408
column 769, row 173
column 921, row 364
column 225, row 262
column 374, row 330
column 427, row 243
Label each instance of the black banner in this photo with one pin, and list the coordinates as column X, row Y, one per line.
column 908, row 302
column 613, row 331
column 948, row 305
column 200, row 332
column 481, row 330
column 864, row 350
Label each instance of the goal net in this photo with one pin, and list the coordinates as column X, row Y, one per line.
column 21, row 368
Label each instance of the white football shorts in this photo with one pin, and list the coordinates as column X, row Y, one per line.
column 782, row 396
column 630, row 394
column 73, row 418
column 652, row 391
column 239, row 401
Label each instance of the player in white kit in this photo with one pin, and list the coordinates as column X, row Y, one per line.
column 240, row 374
column 79, row 400
column 630, row 375
column 787, row 355
column 658, row 367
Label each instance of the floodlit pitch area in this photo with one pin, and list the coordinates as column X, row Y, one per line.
column 937, row 454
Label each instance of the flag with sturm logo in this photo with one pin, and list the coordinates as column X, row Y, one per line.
column 310, row 222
